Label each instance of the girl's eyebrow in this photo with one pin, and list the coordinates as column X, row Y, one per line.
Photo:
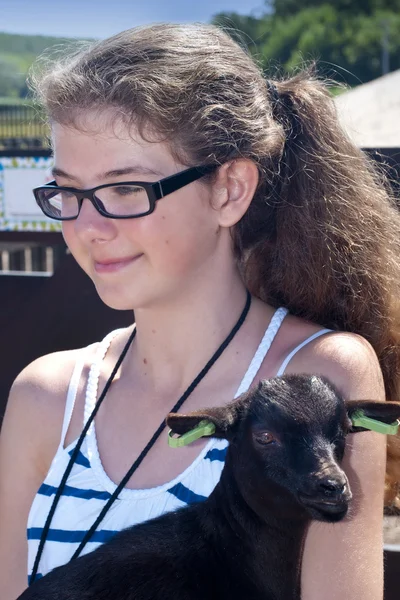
column 57, row 172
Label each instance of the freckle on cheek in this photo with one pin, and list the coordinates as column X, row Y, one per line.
column 145, row 361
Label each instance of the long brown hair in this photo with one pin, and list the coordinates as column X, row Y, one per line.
column 322, row 233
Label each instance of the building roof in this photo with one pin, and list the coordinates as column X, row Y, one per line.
column 370, row 113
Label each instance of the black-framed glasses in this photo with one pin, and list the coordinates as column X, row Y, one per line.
column 125, row 200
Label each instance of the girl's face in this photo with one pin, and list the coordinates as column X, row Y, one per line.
column 135, row 262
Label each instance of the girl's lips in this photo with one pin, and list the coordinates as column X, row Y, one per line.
column 111, row 266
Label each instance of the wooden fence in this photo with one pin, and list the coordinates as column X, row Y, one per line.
column 21, row 127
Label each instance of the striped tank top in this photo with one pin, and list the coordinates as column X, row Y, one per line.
column 88, row 486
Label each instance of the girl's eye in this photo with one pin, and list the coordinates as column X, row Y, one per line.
column 265, row 438
column 127, row 190
column 65, row 195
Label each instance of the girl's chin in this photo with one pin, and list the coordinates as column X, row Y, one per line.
column 120, row 297
column 114, row 298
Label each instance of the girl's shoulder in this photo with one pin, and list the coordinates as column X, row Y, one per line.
column 47, row 378
column 37, row 401
column 345, row 358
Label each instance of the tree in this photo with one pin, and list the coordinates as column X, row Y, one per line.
column 288, row 8
column 346, row 46
column 244, row 29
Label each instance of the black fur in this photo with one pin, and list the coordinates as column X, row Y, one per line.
column 286, row 441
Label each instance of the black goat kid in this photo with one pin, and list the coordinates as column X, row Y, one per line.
column 286, row 441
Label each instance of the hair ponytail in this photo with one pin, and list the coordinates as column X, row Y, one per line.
column 334, row 255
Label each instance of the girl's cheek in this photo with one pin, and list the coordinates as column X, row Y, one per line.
column 66, row 233
column 72, row 242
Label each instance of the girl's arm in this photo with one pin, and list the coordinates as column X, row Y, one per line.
column 29, row 439
column 345, row 560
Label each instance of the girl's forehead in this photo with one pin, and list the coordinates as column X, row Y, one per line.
column 92, row 153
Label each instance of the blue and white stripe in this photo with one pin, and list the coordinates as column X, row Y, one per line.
column 88, row 486
column 83, row 499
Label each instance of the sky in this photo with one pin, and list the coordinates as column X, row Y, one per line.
column 102, row 18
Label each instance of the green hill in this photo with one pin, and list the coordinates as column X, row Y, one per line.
column 17, row 53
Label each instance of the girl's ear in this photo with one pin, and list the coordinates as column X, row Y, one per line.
column 225, row 418
column 234, row 189
column 386, row 412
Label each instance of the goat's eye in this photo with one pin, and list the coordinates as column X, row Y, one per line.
column 265, row 438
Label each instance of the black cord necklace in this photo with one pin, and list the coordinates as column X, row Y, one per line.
column 141, row 456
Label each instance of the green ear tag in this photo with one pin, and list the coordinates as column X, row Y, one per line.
column 360, row 420
column 204, row 428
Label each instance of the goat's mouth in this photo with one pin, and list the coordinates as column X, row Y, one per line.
column 325, row 509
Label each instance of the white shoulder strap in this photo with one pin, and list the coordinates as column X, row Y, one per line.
column 289, row 357
column 94, row 375
column 261, row 352
column 72, row 392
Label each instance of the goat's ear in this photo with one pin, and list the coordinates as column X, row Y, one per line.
column 225, row 418
column 386, row 412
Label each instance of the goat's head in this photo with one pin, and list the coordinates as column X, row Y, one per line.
column 287, row 440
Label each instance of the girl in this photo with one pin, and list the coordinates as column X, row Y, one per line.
column 210, row 180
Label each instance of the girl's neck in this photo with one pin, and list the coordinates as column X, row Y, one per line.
column 174, row 341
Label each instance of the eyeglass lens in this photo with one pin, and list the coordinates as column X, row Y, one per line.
column 118, row 200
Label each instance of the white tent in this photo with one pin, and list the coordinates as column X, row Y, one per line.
column 370, row 113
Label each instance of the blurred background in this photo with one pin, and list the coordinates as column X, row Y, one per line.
column 46, row 302
column 355, row 40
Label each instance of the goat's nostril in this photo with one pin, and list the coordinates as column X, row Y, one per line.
column 332, row 488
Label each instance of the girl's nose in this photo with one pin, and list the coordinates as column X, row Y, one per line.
column 90, row 225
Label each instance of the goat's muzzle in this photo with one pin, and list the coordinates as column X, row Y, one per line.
column 328, row 499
